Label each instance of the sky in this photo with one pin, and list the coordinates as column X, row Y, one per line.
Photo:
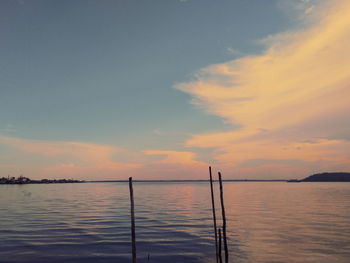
column 154, row 89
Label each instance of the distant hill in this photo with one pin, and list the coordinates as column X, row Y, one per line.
column 328, row 177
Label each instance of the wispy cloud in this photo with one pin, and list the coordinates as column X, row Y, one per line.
column 301, row 9
column 296, row 91
column 93, row 161
column 175, row 157
column 176, row 164
column 74, row 159
column 234, row 52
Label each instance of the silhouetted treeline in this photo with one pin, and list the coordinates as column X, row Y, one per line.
column 26, row 180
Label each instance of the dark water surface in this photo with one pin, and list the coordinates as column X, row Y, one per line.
column 89, row 222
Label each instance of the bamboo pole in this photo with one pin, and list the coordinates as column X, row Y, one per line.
column 219, row 252
column 132, row 211
column 214, row 214
column 223, row 219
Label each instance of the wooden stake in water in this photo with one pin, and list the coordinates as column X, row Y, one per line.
column 214, row 214
column 224, row 237
column 132, row 210
column 219, row 252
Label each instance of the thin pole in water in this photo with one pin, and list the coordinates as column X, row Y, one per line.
column 132, row 210
column 219, row 252
column 223, row 219
column 214, row 215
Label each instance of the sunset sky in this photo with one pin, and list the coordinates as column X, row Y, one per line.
column 159, row 89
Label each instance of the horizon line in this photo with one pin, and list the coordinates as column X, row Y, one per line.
column 190, row 180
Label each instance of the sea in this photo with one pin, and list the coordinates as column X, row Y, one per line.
column 90, row 222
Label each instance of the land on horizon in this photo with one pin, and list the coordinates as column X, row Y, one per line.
column 26, row 180
column 320, row 177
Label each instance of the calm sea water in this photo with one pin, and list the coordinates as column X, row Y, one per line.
column 267, row 222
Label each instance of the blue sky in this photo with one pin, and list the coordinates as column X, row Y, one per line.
column 105, row 72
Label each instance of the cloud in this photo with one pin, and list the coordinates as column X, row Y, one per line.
column 234, row 52
column 301, row 10
column 70, row 159
column 177, row 157
column 294, row 92
column 309, row 10
column 176, row 164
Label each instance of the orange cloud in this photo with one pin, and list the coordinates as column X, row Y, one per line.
column 97, row 161
column 175, row 157
column 72, row 159
column 296, row 91
column 176, row 165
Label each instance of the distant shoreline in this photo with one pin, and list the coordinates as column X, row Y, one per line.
column 24, row 180
column 322, row 177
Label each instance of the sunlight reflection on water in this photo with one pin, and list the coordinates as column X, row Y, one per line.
column 267, row 222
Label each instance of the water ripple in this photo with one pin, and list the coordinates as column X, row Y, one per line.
column 267, row 222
